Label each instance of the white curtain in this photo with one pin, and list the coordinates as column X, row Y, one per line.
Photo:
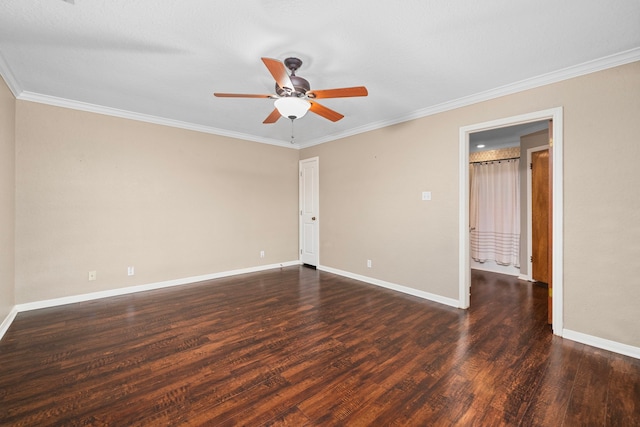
column 495, row 212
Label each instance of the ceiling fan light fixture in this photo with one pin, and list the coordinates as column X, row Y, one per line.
column 292, row 107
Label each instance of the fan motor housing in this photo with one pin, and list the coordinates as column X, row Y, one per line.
column 300, row 86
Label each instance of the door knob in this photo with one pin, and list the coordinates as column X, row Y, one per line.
column 313, row 218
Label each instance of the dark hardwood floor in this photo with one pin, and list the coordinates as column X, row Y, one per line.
column 301, row 347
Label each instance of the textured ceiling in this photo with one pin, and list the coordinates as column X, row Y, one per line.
column 161, row 61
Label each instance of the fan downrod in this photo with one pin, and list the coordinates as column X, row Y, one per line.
column 293, row 64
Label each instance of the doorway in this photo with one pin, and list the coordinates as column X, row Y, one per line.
column 555, row 151
column 489, row 150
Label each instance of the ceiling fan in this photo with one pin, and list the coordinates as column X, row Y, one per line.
column 293, row 95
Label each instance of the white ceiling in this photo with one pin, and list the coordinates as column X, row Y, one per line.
column 504, row 137
column 161, row 61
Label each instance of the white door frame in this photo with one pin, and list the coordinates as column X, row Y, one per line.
column 554, row 114
column 316, row 202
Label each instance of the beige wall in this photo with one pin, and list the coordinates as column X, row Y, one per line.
column 370, row 204
column 602, row 205
column 7, row 199
column 101, row 193
column 371, row 207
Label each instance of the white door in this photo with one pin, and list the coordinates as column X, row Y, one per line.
column 309, row 220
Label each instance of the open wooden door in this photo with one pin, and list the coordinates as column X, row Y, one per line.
column 541, row 214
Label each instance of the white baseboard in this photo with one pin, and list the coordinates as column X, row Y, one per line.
column 148, row 287
column 393, row 286
column 614, row 346
column 4, row 326
column 18, row 308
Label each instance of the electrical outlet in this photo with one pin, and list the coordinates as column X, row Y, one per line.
column 369, row 263
column 130, row 271
column 92, row 275
column 261, row 254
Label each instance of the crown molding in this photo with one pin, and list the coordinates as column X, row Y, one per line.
column 9, row 78
column 99, row 109
column 610, row 61
column 589, row 67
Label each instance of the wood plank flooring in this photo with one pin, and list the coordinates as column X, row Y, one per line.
column 300, row 347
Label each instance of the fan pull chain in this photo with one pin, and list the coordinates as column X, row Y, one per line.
column 292, row 137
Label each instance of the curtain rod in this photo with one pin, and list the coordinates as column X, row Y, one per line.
column 496, row 160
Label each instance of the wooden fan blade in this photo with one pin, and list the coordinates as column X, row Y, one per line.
column 273, row 117
column 344, row 92
column 241, row 95
column 279, row 72
column 325, row 112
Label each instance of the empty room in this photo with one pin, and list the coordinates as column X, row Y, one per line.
column 319, row 213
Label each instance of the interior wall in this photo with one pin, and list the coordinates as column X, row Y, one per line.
column 7, row 199
column 602, row 204
column 370, row 205
column 100, row 193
